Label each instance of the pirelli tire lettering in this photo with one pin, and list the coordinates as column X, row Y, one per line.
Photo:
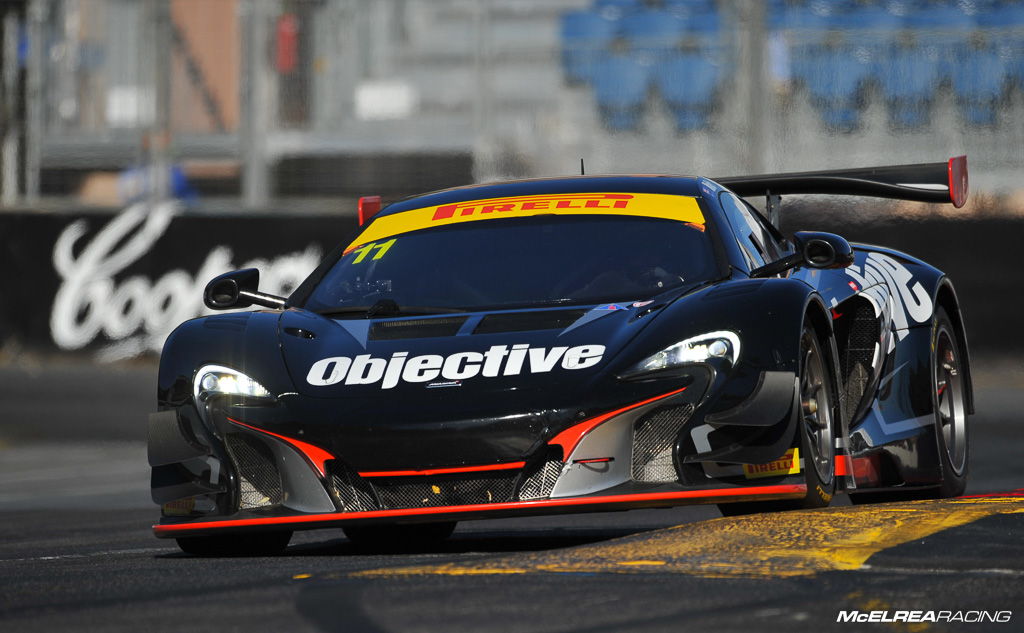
column 499, row 360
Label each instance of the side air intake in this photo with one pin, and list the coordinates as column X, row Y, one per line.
column 259, row 481
column 654, row 440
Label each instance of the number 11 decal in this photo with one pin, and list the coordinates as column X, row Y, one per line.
column 363, row 251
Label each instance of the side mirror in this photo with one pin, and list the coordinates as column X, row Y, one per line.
column 813, row 250
column 238, row 289
column 823, row 250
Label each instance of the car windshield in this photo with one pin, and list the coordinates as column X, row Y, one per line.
column 505, row 263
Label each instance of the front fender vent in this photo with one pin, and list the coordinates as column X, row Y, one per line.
column 654, row 440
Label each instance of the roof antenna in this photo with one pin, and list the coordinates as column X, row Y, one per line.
column 582, row 171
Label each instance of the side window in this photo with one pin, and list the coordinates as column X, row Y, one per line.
column 752, row 236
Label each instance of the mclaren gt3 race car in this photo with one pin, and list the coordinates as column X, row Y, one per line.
column 567, row 345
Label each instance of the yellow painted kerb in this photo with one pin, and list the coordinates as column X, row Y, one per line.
column 772, row 545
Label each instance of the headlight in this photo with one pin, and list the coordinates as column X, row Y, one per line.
column 214, row 379
column 725, row 345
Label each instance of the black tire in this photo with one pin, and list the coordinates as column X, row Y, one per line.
column 949, row 403
column 399, row 537
column 263, row 544
column 818, row 403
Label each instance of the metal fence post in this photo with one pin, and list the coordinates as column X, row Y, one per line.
column 9, row 152
column 34, row 104
column 255, row 120
column 752, row 84
column 160, row 133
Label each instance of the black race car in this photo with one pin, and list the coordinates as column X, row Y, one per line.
column 567, row 345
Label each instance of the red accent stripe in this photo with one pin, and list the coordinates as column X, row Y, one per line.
column 316, row 455
column 843, row 466
column 570, row 438
column 1019, row 492
column 596, row 460
column 443, row 471
column 722, row 493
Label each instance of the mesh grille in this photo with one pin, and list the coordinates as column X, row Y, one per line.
column 539, row 484
column 444, row 492
column 353, row 492
column 654, row 437
column 526, row 321
column 860, row 348
column 259, row 482
column 418, row 328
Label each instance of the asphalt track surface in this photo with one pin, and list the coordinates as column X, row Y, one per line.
column 77, row 553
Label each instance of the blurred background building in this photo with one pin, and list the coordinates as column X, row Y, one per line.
column 148, row 145
column 305, row 104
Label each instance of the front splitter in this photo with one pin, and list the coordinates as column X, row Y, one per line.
column 481, row 511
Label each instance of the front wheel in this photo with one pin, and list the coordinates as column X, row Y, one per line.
column 816, row 428
column 265, row 544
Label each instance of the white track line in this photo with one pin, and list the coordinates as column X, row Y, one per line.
column 112, row 552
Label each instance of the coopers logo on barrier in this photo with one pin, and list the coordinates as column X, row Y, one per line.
column 499, row 360
column 135, row 313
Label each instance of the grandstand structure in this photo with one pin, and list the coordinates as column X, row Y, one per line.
column 258, row 101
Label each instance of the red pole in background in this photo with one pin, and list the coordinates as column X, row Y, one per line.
column 287, row 34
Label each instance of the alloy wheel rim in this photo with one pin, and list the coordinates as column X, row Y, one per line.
column 816, row 409
column 949, row 401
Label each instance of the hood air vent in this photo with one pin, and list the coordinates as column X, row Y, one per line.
column 525, row 321
column 416, row 328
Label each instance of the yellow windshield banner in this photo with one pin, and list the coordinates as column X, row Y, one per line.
column 644, row 205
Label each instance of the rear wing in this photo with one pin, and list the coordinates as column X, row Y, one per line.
column 927, row 182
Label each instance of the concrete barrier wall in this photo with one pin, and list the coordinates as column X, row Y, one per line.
column 114, row 286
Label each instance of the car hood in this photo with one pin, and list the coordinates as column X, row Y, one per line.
column 512, row 352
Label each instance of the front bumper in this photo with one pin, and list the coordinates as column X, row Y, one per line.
column 630, row 457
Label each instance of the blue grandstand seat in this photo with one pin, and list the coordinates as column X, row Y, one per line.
column 620, row 89
column 614, row 9
column 1005, row 15
column 908, row 79
column 690, row 7
column 652, row 32
column 868, row 17
column 800, row 17
column 873, row 30
column 706, row 22
column 939, row 17
column 585, row 37
column 835, row 80
column 978, row 83
column 687, row 83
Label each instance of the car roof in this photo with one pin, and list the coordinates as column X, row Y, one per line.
column 666, row 184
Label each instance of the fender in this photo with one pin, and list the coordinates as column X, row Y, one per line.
column 240, row 340
column 945, row 295
column 771, row 346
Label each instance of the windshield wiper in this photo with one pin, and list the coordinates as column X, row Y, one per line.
column 388, row 308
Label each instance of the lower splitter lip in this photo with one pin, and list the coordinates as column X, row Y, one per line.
column 490, row 510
